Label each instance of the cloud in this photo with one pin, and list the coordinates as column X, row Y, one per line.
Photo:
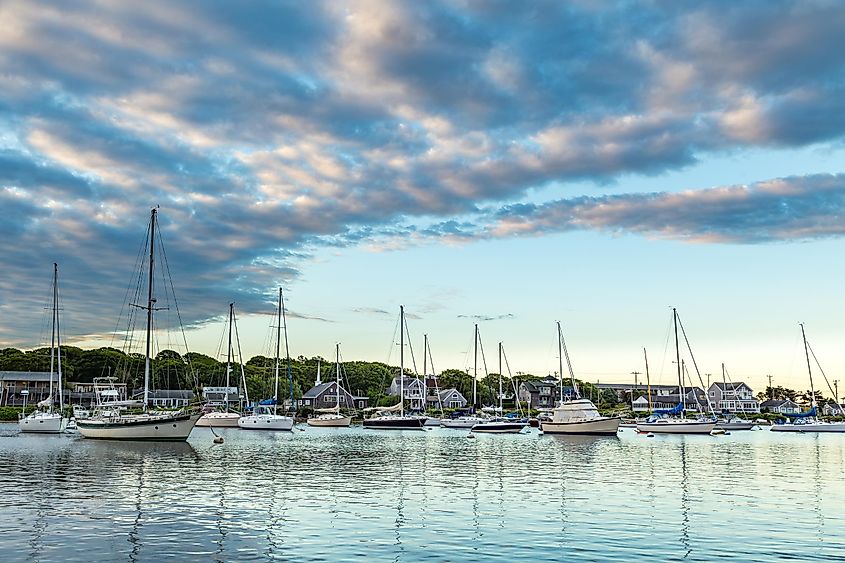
column 269, row 130
column 481, row 318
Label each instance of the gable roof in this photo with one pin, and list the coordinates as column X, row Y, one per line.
column 730, row 386
column 318, row 390
column 769, row 403
column 25, row 376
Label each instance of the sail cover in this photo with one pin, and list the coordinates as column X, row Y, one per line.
column 335, row 408
column 394, row 408
column 268, row 402
column 677, row 409
column 46, row 402
column 809, row 413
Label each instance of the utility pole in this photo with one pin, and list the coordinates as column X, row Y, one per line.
column 836, row 391
column 634, row 388
column 771, row 389
column 708, row 381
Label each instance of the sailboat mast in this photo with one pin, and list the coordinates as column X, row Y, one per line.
column 402, row 360
column 647, row 378
column 229, row 356
column 809, row 371
column 560, row 358
column 278, row 348
column 500, row 378
column 58, row 341
column 337, row 374
column 53, row 335
column 150, row 302
column 678, row 360
column 475, row 371
column 287, row 349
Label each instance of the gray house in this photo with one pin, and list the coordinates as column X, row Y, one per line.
column 695, row 399
column 542, row 394
column 171, row 398
column 449, row 398
column 733, row 397
column 782, row 406
column 325, row 396
column 830, row 409
column 414, row 391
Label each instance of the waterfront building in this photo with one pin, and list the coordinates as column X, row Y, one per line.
column 781, row 406
column 35, row 383
column 414, row 391
column 640, row 404
column 325, row 396
column 733, row 398
column 543, row 393
column 830, row 409
column 695, row 399
column 171, row 398
column 216, row 396
column 449, row 398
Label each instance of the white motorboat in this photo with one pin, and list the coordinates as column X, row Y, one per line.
column 332, row 417
column 676, row 426
column 576, row 416
column 48, row 421
column 735, row 423
column 219, row 419
column 109, row 422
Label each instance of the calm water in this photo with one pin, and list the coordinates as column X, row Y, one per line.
column 330, row 495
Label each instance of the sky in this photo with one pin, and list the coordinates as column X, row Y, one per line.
column 593, row 163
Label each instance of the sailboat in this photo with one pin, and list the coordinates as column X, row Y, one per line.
column 113, row 424
column 808, row 421
column 44, row 420
column 500, row 424
column 226, row 418
column 734, row 422
column 468, row 421
column 265, row 414
column 671, row 421
column 332, row 416
column 384, row 419
column 578, row 415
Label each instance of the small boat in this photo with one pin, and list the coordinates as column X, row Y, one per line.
column 226, row 418
column 735, row 423
column 461, row 422
column 501, row 424
column 332, row 417
column 384, row 419
column 44, row 420
column 576, row 416
column 263, row 417
column 150, row 425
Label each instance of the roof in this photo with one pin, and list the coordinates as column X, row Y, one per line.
column 24, row 376
column 769, row 403
column 172, row 394
column 730, row 386
column 317, row 390
column 444, row 394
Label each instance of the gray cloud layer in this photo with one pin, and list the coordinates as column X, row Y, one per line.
column 268, row 129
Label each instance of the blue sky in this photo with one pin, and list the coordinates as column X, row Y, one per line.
column 592, row 162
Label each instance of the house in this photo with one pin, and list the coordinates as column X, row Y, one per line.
column 542, row 394
column 325, row 396
column 695, row 399
column 623, row 390
column 640, row 404
column 35, row 383
column 171, row 398
column 85, row 394
column 782, row 406
column 733, row 398
column 449, row 398
column 216, row 396
column 831, row 409
column 414, row 391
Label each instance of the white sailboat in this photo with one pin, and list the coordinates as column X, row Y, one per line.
column 669, row 422
column 266, row 416
column 112, row 423
column 499, row 424
column 44, row 420
column 578, row 415
column 733, row 422
column 808, row 421
column 384, row 419
column 332, row 417
column 470, row 420
column 226, row 418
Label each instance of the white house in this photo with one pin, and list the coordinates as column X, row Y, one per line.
column 640, row 404
column 449, row 398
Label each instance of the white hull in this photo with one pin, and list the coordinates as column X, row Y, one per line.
column 499, row 427
column 265, row 422
column 677, row 427
column 42, row 423
column 810, row 427
column 219, row 420
column 735, row 425
column 597, row 426
column 167, row 427
column 463, row 422
column 334, row 421
column 431, row 421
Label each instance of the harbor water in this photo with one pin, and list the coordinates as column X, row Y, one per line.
column 436, row 495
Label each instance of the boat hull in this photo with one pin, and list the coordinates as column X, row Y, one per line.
column 153, row 428
column 42, row 423
column 395, row 423
column 686, row 427
column 459, row 422
column 812, row 427
column 219, row 420
column 338, row 422
column 265, row 422
column 735, row 425
column 499, row 427
column 603, row 426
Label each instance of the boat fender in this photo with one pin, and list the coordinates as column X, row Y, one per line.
column 470, row 435
column 218, row 439
column 650, row 435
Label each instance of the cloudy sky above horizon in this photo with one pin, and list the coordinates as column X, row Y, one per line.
column 592, row 162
